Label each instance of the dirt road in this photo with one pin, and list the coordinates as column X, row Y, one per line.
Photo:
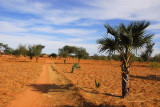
column 50, row 90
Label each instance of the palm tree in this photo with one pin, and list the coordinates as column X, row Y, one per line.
column 124, row 40
column 147, row 53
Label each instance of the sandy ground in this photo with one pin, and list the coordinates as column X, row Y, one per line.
column 144, row 88
column 30, row 97
column 15, row 78
column 50, row 90
column 56, row 86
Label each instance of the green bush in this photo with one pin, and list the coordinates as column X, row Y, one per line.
column 75, row 66
column 157, row 58
column 54, row 55
column 97, row 84
column 140, row 59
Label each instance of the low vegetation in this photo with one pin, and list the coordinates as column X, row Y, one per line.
column 97, row 84
column 75, row 66
column 155, row 66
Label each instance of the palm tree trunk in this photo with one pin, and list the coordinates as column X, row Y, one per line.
column 125, row 80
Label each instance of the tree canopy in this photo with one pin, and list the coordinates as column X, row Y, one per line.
column 35, row 50
column 73, row 50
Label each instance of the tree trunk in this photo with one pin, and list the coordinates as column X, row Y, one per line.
column 64, row 61
column 125, row 79
column 37, row 59
column 78, row 60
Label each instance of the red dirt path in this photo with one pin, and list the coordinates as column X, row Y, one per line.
column 51, row 89
column 29, row 97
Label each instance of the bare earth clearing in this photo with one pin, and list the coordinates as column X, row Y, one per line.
column 31, row 84
column 14, row 78
column 144, row 89
column 50, row 89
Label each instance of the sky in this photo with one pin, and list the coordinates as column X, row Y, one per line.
column 56, row 23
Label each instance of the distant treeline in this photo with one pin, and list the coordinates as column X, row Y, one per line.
column 74, row 52
column 30, row 50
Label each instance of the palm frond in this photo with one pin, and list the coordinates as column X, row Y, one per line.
column 107, row 44
column 133, row 36
column 111, row 30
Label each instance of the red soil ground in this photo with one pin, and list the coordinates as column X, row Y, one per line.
column 30, row 97
column 49, row 90
column 144, row 89
column 14, row 78
column 34, row 84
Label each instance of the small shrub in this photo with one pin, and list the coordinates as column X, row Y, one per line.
column 155, row 66
column 54, row 55
column 157, row 58
column 64, row 61
column 75, row 66
column 97, row 84
column 140, row 60
column 111, row 61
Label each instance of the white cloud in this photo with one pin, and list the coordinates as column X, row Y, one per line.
column 15, row 26
column 11, row 27
column 100, row 10
column 24, row 6
column 68, row 31
column 155, row 51
column 46, row 29
column 155, row 26
column 76, row 40
column 126, row 9
column 46, row 15
column 157, row 37
column 76, row 32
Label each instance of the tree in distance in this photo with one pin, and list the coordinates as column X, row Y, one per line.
column 35, row 51
column 6, row 49
column 124, row 40
column 157, row 58
column 67, row 51
column 96, row 57
column 54, row 55
column 21, row 50
column 78, row 52
column 81, row 53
